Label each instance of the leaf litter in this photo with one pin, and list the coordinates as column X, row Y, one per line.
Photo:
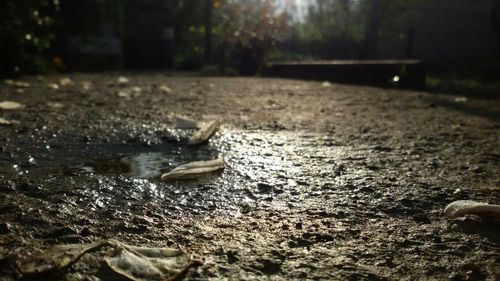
column 134, row 263
column 10, row 105
column 326, row 84
column 130, row 93
column 182, row 122
column 194, row 170
column 86, row 85
column 53, row 86
column 166, row 89
column 125, row 95
column 204, row 133
column 122, row 80
column 55, row 104
column 66, row 81
column 5, row 122
column 140, row 263
column 55, row 258
column 461, row 208
column 17, row 84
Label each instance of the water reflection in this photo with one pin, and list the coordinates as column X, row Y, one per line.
column 146, row 165
column 264, row 169
column 140, row 162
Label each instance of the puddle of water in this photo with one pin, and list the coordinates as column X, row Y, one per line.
column 123, row 173
column 146, row 165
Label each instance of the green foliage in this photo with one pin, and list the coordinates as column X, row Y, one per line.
column 244, row 32
column 332, row 29
column 189, row 32
column 338, row 29
column 252, row 25
column 190, row 56
column 398, row 17
column 249, row 31
column 26, row 32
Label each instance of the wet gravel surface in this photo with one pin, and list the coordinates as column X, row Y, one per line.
column 322, row 182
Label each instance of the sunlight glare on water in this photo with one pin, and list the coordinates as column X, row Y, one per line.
column 262, row 169
column 146, row 165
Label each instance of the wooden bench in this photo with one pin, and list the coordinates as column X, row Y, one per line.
column 406, row 74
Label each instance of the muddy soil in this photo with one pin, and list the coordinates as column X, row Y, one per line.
column 321, row 183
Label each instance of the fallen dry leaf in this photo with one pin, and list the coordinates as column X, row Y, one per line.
column 5, row 122
column 55, row 258
column 53, row 86
column 194, row 170
column 125, row 95
column 122, row 80
column 86, row 85
column 166, row 89
column 10, row 105
column 460, row 99
column 66, row 81
column 204, row 133
column 55, row 104
column 182, row 122
column 467, row 207
column 326, row 84
column 140, row 263
column 18, row 84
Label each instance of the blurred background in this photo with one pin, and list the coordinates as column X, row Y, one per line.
column 457, row 40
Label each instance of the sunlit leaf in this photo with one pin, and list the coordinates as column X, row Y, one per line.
column 10, row 105
column 55, row 258
column 194, row 170
column 140, row 263
column 204, row 133
column 466, row 207
column 182, row 122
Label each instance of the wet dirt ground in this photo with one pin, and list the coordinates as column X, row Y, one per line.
column 321, row 183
